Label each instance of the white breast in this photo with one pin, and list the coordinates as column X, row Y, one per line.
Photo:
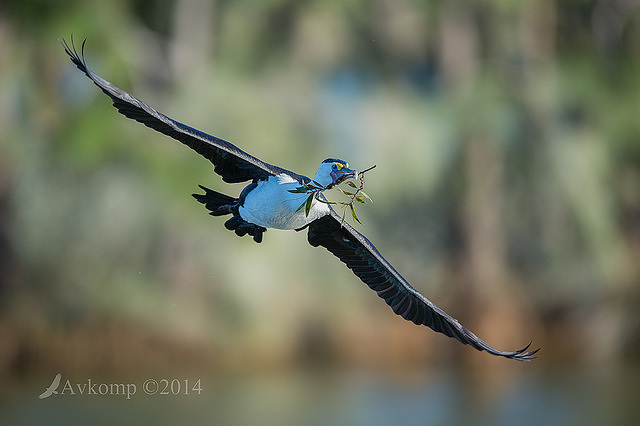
column 271, row 205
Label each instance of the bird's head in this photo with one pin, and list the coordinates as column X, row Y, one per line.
column 333, row 172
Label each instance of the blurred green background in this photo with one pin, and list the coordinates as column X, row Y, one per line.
column 507, row 139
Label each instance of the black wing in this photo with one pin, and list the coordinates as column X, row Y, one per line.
column 232, row 163
column 357, row 252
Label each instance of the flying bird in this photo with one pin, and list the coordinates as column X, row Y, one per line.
column 270, row 201
column 53, row 388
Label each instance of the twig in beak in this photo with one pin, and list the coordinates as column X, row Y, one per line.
column 364, row 171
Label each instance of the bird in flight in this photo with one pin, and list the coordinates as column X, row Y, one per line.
column 272, row 200
column 52, row 389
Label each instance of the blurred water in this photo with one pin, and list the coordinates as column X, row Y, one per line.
column 349, row 398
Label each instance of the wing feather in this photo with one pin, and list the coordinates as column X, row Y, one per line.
column 230, row 162
column 357, row 252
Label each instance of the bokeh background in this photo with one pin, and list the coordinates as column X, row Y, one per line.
column 507, row 139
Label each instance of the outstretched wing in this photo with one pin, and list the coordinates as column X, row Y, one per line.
column 232, row 163
column 56, row 381
column 357, row 252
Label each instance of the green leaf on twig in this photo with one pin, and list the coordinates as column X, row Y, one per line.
column 353, row 213
column 307, row 207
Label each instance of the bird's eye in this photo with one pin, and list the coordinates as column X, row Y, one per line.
column 337, row 166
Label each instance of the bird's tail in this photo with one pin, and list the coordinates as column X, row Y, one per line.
column 220, row 204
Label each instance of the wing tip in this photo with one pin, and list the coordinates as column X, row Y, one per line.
column 72, row 51
column 523, row 354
